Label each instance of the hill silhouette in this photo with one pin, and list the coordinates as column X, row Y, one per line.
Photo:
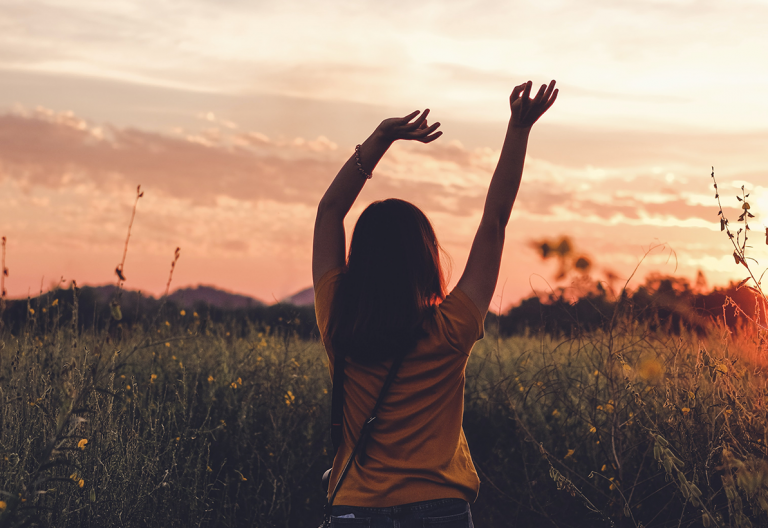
column 305, row 297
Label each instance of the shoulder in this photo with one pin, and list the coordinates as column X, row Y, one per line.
column 460, row 320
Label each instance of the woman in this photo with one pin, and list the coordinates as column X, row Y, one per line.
column 387, row 298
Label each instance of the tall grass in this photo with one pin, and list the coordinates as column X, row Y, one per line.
column 181, row 425
column 197, row 424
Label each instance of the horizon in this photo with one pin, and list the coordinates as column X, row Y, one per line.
column 234, row 138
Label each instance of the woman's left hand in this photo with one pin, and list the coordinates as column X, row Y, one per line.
column 407, row 127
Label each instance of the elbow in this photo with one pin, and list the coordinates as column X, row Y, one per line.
column 494, row 228
column 496, row 223
column 326, row 208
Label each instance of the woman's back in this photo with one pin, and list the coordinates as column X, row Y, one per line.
column 418, row 467
column 417, row 450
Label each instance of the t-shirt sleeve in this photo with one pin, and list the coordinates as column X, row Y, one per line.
column 324, row 292
column 462, row 321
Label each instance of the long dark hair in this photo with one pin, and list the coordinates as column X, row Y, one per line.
column 392, row 280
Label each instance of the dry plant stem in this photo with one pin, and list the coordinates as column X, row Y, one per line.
column 739, row 250
column 3, row 275
column 176, row 256
column 119, row 269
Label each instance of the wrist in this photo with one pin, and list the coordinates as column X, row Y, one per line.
column 380, row 138
column 512, row 125
column 521, row 132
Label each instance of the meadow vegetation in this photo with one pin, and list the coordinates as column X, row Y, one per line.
column 183, row 417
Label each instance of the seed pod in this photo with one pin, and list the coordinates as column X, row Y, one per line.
column 705, row 520
column 657, row 451
column 695, row 491
column 685, row 491
column 675, row 460
column 660, row 439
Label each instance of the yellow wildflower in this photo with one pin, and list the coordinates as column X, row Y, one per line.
column 555, row 413
column 82, row 443
column 194, row 314
column 55, row 302
column 569, row 453
column 210, row 379
column 32, row 311
column 168, row 345
column 167, row 323
column 603, row 468
column 3, row 505
column 128, row 387
column 233, row 385
column 289, row 398
column 182, row 313
column 152, row 378
column 80, row 483
column 593, row 429
column 685, row 410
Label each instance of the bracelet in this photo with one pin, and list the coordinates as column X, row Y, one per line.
column 360, row 165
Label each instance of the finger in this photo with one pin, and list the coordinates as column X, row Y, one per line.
column 430, row 139
column 540, row 94
column 549, row 91
column 419, row 120
column 410, row 116
column 527, row 91
column 516, row 93
column 425, row 131
column 551, row 100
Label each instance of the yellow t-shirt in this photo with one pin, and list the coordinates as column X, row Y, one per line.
column 417, row 450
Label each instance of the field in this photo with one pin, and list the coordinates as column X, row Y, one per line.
column 180, row 420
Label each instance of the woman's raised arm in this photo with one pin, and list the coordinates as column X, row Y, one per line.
column 482, row 272
column 329, row 242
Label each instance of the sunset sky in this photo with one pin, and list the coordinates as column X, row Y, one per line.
column 235, row 116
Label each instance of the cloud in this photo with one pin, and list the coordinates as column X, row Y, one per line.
column 59, row 149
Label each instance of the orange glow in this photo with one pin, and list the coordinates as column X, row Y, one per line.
column 235, row 137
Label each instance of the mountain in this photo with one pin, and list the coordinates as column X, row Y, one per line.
column 213, row 296
column 305, row 297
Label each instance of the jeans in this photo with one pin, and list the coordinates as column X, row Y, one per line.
column 440, row 513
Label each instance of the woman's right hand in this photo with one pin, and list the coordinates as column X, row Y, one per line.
column 526, row 111
column 406, row 127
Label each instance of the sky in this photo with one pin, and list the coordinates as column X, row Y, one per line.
column 235, row 117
